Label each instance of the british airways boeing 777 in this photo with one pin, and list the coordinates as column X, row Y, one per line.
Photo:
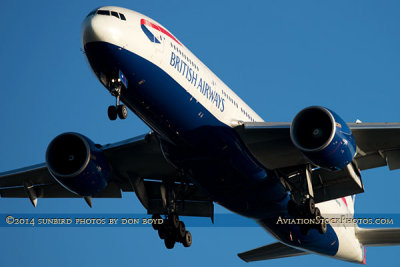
column 207, row 145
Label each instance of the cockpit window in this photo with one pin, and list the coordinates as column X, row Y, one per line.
column 107, row 13
column 103, row 12
column 115, row 14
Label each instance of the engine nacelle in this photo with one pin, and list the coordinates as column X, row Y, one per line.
column 77, row 164
column 323, row 137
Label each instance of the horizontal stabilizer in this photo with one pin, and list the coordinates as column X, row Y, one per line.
column 272, row 251
column 378, row 236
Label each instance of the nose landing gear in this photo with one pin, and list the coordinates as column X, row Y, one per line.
column 118, row 110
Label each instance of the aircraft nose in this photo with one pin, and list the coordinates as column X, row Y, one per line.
column 90, row 29
column 100, row 28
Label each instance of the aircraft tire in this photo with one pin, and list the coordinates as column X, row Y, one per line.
column 310, row 206
column 162, row 233
column 187, row 241
column 156, row 217
column 169, row 243
column 317, row 213
column 122, row 112
column 181, row 231
column 112, row 113
column 174, row 221
column 322, row 227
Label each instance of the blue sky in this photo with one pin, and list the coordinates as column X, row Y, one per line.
column 279, row 56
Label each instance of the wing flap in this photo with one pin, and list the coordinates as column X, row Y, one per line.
column 378, row 236
column 272, row 251
column 393, row 159
column 370, row 161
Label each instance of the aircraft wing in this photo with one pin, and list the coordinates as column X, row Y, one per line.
column 378, row 144
column 272, row 251
column 138, row 165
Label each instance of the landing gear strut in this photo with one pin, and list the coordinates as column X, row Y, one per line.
column 118, row 110
column 172, row 230
column 302, row 204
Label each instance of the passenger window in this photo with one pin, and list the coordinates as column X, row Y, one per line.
column 103, row 12
column 115, row 14
column 122, row 16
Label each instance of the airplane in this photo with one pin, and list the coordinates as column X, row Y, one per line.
column 208, row 146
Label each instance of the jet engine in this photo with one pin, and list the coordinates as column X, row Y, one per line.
column 77, row 164
column 323, row 137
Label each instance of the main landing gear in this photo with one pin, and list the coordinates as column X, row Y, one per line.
column 118, row 110
column 172, row 231
column 302, row 204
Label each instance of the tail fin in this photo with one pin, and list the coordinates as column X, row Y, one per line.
column 378, row 236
